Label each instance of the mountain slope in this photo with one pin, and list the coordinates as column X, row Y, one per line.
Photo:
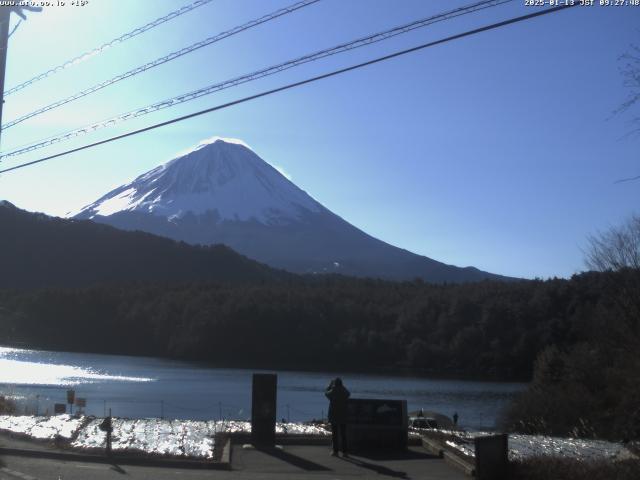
column 222, row 192
column 220, row 176
column 41, row 251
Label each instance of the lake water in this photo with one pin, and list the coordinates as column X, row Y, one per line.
column 139, row 387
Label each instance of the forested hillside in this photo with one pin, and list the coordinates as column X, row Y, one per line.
column 41, row 251
column 133, row 293
column 481, row 330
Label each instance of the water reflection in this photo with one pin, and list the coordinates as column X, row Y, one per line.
column 139, row 387
column 21, row 372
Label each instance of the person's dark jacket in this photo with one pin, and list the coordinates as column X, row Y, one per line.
column 337, row 395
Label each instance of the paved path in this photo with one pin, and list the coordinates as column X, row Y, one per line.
column 293, row 461
column 306, row 462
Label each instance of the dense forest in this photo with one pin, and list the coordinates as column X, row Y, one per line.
column 590, row 387
column 576, row 340
column 481, row 330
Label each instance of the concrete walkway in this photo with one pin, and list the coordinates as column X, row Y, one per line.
column 289, row 461
column 314, row 462
column 293, row 462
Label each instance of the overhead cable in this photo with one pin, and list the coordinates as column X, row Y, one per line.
column 185, row 97
column 159, row 61
column 297, row 84
column 122, row 38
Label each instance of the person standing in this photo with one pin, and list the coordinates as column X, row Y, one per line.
column 338, row 396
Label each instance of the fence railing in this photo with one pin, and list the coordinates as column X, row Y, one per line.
column 43, row 404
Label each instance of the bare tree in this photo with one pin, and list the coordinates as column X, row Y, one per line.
column 618, row 250
column 630, row 71
column 615, row 249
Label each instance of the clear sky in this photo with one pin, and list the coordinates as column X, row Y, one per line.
column 498, row 150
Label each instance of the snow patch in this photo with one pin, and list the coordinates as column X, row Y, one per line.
column 282, row 171
column 121, row 201
column 526, row 446
column 42, row 428
column 210, row 141
column 220, row 176
column 176, row 438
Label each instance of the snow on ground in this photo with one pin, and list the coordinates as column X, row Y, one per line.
column 219, row 175
column 234, row 426
column 195, row 439
column 175, row 438
column 41, row 428
column 525, row 446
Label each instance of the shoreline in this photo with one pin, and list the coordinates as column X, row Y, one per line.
column 400, row 372
column 204, row 440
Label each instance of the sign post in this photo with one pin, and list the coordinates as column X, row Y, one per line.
column 71, row 396
column 81, row 403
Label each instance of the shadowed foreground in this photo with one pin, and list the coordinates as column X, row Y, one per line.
column 292, row 461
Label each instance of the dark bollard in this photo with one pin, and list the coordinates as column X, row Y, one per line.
column 263, row 409
column 492, row 461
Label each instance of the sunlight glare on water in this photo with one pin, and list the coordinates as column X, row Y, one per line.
column 144, row 387
column 20, row 372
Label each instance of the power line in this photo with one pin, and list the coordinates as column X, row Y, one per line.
column 15, row 27
column 475, row 31
column 159, row 61
column 360, row 42
column 122, row 38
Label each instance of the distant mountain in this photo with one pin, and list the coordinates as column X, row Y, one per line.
column 41, row 251
column 222, row 192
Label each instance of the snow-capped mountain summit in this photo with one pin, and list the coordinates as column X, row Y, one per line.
column 221, row 176
column 221, row 191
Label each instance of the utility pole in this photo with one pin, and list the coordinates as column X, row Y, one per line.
column 5, row 17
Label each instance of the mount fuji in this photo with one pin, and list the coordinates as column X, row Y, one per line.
column 221, row 191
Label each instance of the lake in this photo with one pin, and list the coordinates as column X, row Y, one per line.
column 139, row 387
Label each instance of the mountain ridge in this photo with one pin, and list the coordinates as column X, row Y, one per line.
column 42, row 251
column 221, row 191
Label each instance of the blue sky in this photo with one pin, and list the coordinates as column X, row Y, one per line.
column 498, row 150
